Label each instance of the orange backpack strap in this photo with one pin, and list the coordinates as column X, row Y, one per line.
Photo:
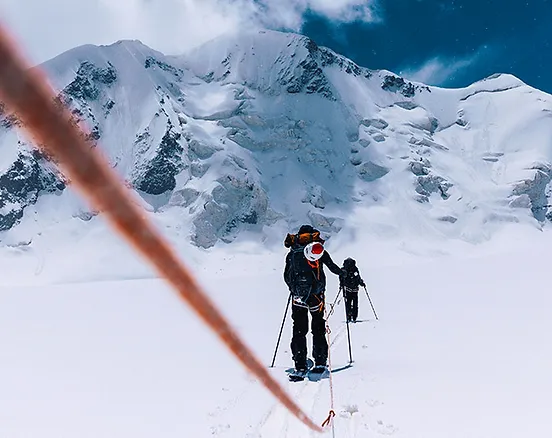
column 315, row 265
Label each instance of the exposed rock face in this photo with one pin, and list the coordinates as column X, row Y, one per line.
column 160, row 173
column 532, row 193
column 20, row 186
column 398, row 85
column 371, row 171
column 232, row 203
column 428, row 184
column 88, row 81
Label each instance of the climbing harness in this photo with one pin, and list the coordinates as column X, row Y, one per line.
column 318, row 307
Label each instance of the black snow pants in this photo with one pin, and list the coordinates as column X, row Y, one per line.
column 351, row 303
column 300, row 316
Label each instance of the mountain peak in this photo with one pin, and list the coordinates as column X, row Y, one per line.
column 269, row 60
column 128, row 43
column 500, row 81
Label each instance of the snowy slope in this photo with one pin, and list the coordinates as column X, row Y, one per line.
column 461, row 349
column 255, row 133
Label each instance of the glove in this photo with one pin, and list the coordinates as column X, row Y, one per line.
column 362, row 283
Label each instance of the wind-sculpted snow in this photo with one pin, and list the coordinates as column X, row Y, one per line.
column 266, row 129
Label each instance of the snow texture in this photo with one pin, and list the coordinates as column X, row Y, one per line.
column 94, row 345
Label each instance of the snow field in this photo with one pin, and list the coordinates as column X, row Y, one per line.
column 460, row 349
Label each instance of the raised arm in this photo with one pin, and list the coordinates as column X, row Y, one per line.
column 327, row 260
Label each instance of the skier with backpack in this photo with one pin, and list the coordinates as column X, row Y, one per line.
column 350, row 281
column 305, row 278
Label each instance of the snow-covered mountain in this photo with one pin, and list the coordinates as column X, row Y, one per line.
column 269, row 129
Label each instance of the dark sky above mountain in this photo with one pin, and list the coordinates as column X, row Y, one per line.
column 449, row 43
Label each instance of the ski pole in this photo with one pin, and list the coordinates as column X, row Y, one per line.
column 281, row 329
column 366, row 290
column 330, row 313
column 348, row 333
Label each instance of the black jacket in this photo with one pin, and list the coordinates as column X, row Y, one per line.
column 320, row 286
column 351, row 278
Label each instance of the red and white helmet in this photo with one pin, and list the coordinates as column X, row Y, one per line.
column 313, row 251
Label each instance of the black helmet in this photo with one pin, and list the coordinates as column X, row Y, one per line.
column 306, row 229
column 349, row 263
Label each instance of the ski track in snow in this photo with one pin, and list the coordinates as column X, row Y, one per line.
column 314, row 397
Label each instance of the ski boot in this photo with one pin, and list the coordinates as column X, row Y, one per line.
column 318, row 369
column 298, row 374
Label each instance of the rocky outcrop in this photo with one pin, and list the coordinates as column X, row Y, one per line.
column 233, row 203
column 160, row 173
column 428, row 184
column 396, row 84
column 370, row 171
column 88, row 81
column 20, row 186
column 532, row 193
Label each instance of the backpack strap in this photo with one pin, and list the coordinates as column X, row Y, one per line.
column 290, row 240
column 302, row 239
column 315, row 265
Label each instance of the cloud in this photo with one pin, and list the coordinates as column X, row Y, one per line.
column 290, row 13
column 437, row 71
column 440, row 70
column 171, row 26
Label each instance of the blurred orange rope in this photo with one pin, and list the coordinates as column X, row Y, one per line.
column 25, row 92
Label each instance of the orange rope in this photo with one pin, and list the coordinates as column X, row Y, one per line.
column 332, row 411
column 26, row 93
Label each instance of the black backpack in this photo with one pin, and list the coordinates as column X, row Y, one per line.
column 303, row 274
column 351, row 279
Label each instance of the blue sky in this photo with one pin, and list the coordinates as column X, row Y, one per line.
column 449, row 43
